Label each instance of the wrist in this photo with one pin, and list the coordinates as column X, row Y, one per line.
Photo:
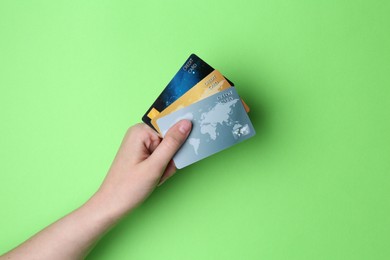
column 106, row 205
column 103, row 208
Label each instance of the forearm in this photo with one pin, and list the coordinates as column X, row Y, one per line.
column 143, row 161
column 71, row 237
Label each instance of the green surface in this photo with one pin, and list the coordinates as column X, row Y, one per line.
column 313, row 184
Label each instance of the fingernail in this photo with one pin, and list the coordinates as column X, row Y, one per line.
column 185, row 126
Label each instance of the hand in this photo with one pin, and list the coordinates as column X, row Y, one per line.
column 142, row 162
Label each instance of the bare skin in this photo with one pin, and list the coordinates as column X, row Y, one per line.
column 143, row 162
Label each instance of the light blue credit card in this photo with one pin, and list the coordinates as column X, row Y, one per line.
column 218, row 122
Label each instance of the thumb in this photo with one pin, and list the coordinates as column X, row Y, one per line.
column 172, row 141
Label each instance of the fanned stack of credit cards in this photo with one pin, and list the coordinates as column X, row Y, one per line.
column 203, row 95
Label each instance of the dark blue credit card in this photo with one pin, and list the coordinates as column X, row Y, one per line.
column 192, row 71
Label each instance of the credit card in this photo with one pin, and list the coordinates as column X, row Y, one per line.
column 211, row 84
column 192, row 71
column 218, row 122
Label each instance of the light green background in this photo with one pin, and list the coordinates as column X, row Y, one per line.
column 314, row 182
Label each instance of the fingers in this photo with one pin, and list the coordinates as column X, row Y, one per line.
column 172, row 141
column 169, row 171
column 139, row 142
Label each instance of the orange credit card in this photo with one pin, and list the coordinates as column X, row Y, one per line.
column 211, row 84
